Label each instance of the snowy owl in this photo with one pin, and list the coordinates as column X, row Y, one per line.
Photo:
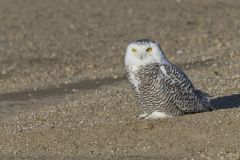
column 161, row 88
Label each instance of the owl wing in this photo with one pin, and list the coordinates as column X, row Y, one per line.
column 185, row 97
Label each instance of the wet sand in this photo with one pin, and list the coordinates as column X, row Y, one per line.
column 64, row 93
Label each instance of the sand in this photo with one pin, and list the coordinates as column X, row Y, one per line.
column 63, row 88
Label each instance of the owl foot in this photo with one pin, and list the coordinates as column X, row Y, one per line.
column 142, row 116
column 153, row 115
column 157, row 115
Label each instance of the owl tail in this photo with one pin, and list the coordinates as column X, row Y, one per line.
column 205, row 99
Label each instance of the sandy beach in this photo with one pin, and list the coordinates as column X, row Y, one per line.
column 64, row 92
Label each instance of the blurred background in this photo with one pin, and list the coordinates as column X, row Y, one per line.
column 45, row 43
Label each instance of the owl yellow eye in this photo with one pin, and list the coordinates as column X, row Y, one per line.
column 149, row 50
column 134, row 50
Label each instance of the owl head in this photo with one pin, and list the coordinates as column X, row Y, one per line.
column 143, row 52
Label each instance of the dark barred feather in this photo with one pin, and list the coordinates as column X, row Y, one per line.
column 165, row 88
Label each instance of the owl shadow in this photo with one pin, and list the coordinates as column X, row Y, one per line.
column 232, row 101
